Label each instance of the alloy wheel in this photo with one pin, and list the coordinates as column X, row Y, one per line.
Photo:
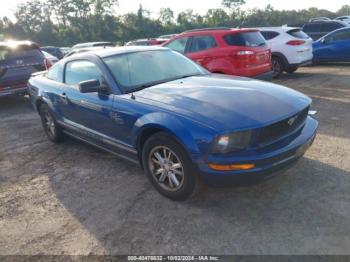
column 49, row 124
column 166, row 168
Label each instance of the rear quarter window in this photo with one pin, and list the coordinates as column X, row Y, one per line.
column 268, row 35
column 297, row 33
column 55, row 73
column 249, row 39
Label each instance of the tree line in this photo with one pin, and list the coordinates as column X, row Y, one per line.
column 66, row 22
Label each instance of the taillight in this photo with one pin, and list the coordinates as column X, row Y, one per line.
column 296, row 42
column 245, row 52
column 48, row 63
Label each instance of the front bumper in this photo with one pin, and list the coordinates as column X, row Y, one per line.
column 268, row 162
column 14, row 91
column 264, row 76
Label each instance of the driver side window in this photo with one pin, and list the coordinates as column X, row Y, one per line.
column 339, row 36
column 81, row 70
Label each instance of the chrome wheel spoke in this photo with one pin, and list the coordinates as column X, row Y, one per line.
column 171, row 185
column 156, row 162
column 173, row 179
column 159, row 171
column 176, row 166
column 159, row 157
column 162, row 177
column 177, row 172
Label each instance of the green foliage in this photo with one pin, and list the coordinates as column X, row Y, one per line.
column 66, row 22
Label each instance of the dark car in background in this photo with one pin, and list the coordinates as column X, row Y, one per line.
column 334, row 47
column 18, row 60
column 318, row 29
column 52, row 50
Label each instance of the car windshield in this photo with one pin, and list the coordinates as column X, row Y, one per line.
column 138, row 70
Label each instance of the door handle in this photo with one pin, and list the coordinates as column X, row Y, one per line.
column 63, row 96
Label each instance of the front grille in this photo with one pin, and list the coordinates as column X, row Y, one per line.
column 282, row 128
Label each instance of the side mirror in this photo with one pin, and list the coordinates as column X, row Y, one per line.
column 324, row 41
column 92, row 86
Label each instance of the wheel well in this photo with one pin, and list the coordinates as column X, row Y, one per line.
column 145, row 134
column 38, row 104
column 280, row 56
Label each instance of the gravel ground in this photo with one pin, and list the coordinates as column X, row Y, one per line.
column 74, row 199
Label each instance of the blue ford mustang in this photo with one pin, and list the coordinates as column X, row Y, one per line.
column 334, row 47
column 157, row 108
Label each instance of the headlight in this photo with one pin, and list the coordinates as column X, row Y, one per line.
column 232, row 142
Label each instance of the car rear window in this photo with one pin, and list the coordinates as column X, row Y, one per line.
column 20, row 52
column 297, row 33
column 268, row 35
column 250, row 39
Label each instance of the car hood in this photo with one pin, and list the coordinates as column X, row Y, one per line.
column 225, row 103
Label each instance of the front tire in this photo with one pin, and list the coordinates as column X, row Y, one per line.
column 277, row 66
column 53, row 131
column 169, row 167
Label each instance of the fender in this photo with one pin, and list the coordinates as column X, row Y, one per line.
column 44, row 98
column 168, row 123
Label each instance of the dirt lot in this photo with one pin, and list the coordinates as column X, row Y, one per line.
column 75, row 199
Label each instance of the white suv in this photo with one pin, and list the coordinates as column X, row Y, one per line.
column 343, row 18
column 290, row 48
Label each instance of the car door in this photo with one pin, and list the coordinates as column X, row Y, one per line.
column 339, row 43
column 200, row 49
column 334, row 47
column 88, row 113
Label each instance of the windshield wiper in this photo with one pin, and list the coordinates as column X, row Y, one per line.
column 140, row 87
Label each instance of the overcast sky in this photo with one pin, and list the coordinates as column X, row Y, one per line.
column 201, row 6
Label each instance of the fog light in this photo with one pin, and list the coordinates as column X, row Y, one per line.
column 231, row 167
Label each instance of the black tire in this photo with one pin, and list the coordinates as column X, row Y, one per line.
column 291, row 70
column 277, row 66
column 187, row 183
column 53, row 131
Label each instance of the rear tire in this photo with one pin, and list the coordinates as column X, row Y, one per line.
column 53, row 131
column 168, row 167
column 291, row 70
column 277, row 66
